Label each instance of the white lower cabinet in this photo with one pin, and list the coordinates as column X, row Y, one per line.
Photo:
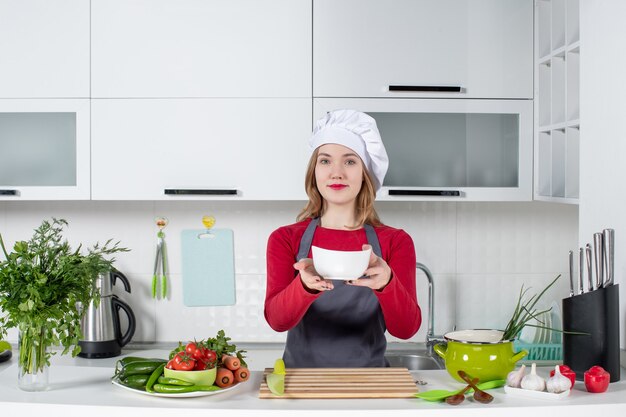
column 172, row 149
column 44, row 149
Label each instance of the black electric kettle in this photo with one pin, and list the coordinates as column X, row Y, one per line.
column 102, row 335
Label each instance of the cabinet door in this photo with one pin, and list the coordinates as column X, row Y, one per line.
column 201, row 48
column 243, row 149
column 362, row 47
column 44, row 48
column 44, row 149
column 449, row 149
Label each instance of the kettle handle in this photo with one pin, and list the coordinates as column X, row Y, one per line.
column 117, row 274
column 119, row 304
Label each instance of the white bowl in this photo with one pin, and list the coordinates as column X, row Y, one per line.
column 340, row 265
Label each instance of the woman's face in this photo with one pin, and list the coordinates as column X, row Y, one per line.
column 338, row 173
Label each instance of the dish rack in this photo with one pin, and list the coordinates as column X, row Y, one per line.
column 541, row 351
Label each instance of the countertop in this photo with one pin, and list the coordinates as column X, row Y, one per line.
column 82, row 386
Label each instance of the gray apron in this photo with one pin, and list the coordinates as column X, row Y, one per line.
column 343, row 327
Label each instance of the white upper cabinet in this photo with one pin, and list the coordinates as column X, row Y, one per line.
column 451, row 149
column 425, row 48
column 201, row 48
column 44, row 149
column 173, row 149
column 44, row 48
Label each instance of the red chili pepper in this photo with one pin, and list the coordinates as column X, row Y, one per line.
column 597, row 379
column 566, row 371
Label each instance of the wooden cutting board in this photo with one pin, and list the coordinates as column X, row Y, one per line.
column 344, row 383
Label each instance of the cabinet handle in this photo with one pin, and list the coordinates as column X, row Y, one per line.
column 178, row 191
column 427, row 88
column 438, row 193
column 13, row 193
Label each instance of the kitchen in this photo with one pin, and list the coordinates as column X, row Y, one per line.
column 470, row 246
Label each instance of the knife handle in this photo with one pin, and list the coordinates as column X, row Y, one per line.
column 589, row 267
column 571, row 273
column 609, row 255
column 581, row 270
column 598, row 245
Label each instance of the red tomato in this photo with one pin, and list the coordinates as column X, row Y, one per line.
column 210, row 356
column 200, row 353
column 170, row 364
column 201, row 366
column 191, row 349
column 597, row 379
column 182, row 362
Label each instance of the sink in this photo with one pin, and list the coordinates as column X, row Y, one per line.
column 412, row 361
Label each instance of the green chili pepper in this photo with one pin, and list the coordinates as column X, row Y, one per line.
column 178, row 389
column 135, row 381
column 129, row 359
column 173, row 381
column 153, row 378
column 140, row 368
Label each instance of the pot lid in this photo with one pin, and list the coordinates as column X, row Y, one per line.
column 479, row 336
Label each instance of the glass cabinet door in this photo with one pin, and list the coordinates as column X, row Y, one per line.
column 451, row 149
column 44, row 149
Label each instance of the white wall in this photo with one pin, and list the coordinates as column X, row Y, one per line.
column 480, row 255
column 603, row 142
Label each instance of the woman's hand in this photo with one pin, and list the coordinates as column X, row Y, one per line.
column 378, row 273
column 310, row 279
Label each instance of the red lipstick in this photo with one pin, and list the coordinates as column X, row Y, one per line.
column 337, row 186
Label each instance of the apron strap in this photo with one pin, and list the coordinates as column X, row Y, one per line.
column 307, row 239
column 372, row 239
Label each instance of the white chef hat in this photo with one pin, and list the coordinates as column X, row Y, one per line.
column 357, row 131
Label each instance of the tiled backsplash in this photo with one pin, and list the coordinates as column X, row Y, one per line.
column 479, row 253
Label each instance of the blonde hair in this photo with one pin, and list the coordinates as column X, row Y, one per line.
column 364, row 210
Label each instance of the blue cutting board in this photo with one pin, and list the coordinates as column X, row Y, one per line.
column 208, row 268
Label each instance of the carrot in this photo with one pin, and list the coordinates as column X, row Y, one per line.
column 224, row 378
column 241, row 374
column 231, row 362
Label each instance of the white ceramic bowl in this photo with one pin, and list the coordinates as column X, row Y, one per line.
column 340, row 265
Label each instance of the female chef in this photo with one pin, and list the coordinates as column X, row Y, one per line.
column 341, row 323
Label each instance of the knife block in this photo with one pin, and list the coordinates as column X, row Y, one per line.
column 597, row 314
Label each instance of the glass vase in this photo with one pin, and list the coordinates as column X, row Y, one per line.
column 32, row 363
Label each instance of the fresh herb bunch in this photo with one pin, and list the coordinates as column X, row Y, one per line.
column 525, row 311
column 41, row 282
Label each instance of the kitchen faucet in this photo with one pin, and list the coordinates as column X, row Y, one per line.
column 431, row 339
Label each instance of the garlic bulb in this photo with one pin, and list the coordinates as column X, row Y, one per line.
column 558, row 383
column 533, row 381
column 514, row 378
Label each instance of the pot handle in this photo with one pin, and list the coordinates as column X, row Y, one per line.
column 125, row 338
column 441, row 349
column 519, row 355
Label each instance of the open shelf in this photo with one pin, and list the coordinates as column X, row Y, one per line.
column 557, row 99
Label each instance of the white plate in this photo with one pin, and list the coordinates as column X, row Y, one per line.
column 115, row 382
column 528, row 332
column 542, row 395
column 555, row 313
column 547, row 322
